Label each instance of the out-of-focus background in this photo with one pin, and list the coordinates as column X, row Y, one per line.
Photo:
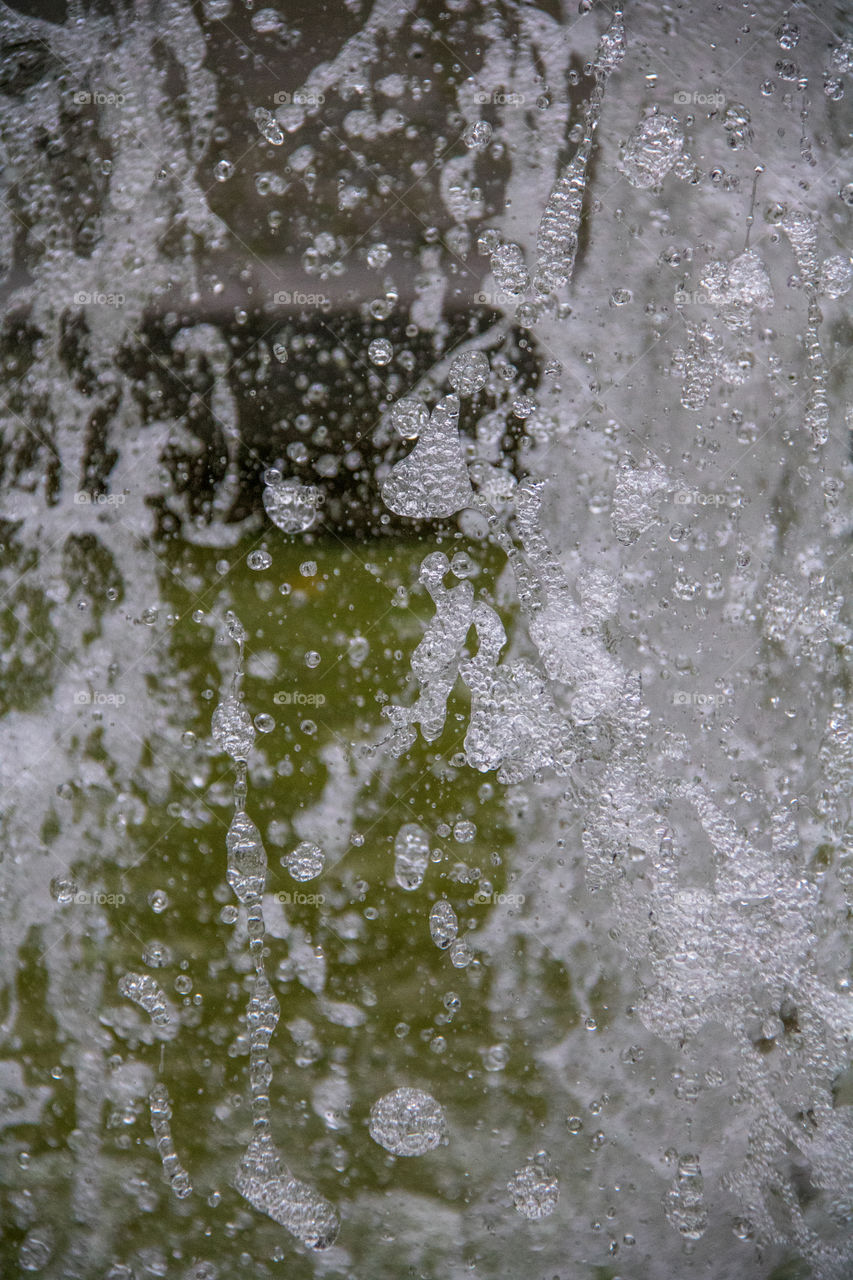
column 233, row 239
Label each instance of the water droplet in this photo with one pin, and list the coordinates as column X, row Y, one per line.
column 478, row 135
column 411, row 856
column 306, row 861
column 534, row 1191
column 380, row 351
column 407, row 1122
column 443, row 925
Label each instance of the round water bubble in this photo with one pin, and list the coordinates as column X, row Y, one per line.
column 378, row 255
column 409, row 417
column 477, row 135
column 411, row 856
column 306, row 861
column 461, row 955
column 468, row 372
column 443, row 925
column 290, row 505
column 156, row 955
column 407, row 1122
column 380, row 351
column 259, row 559
column 534, row 1191
column 63, row 891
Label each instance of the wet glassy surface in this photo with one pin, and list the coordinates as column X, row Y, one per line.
column 425, row 671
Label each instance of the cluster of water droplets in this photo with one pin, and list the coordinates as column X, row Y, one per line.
column 261, row 1178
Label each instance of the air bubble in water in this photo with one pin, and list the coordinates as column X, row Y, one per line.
column 464, row 832
column 158, row 900
column 380, row 351
column 144, row 991
column 407, row 1122
column 788, row 35
column 378, row 256
column 534, row 1190
column 509, row 270
column 36, row 1249
column 233, row 731
column 411, row 856
column 259, row 559
column 432, row 482
column 156, row 955
column 409, row 417
column 462, row 566
column 468, row 372
column 477, row 135
column 652, row 150
column 247, row 859
column 290, row 505
column 461, row 954
column 836, row 276
column 306, row 861
column 685, row 1200
column 268, row 127
column 443, row 925
column 63, row 891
